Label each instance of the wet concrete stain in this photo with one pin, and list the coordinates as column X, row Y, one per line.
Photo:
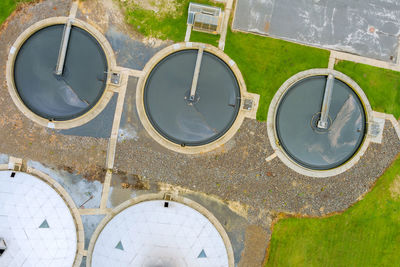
column 84, row 193
column 129, row 126
column 90, row 223
column 3, row 159
column 130, row 53
column 99, row 127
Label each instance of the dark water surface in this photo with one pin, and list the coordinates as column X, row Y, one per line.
column 216, row 105
column 296, row 119
column 77, row 90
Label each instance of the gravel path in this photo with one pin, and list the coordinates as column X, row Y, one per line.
column 239, row 172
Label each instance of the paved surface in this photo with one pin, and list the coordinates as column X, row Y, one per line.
column 90, row 223
column 99, row 127
column 131, row 53
column 334, row 24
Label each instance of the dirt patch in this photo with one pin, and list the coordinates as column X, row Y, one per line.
column 91, row 172
column 395, row 188
column 19, row 8
column 256, row 237
column 161, row 7
column 238, row 208
column 131, row 181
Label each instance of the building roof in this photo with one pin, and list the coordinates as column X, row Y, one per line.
column 203, row 14
column 206, row 19
column 35, row 222
column 150, row 234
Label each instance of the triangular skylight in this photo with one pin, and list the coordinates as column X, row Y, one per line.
column 202, row 254
column 44, row 224
column 119, row 246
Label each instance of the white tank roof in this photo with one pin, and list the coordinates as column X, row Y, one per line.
column 151, row 235
column 35, row 223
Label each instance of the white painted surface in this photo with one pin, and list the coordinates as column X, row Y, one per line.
column 12, row 50
column 25, row 202
column 152, row 235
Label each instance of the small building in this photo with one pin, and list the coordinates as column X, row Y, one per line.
column 205, row 18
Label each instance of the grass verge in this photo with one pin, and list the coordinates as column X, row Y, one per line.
column 202, row 37
column 367, row 234
column 7, row 7
column 266, row 63
column 381, row 86
column 166, row 23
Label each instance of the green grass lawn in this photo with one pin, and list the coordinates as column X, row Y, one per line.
column 207, row 38
column 6, row 7
column 266, row 63
column 367, row 234
column 381, row 86
column 168, row 25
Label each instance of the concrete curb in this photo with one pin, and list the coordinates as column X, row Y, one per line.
column 272, row 135
column 235, row 126
column 161, row 196
column 364, row 60
column 92, row 113
column 225, row 24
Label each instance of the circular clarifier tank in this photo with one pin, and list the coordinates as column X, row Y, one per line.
column 191, row 97
column 58, row 73
column 160, row 233
column 320, row 120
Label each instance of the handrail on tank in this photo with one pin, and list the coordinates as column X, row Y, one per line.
column 323, row 122
column 63, row 48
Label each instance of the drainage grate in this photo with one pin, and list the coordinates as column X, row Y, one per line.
column 375, row 129
column 248, row 104
column 167, row 196
column 115, row 78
